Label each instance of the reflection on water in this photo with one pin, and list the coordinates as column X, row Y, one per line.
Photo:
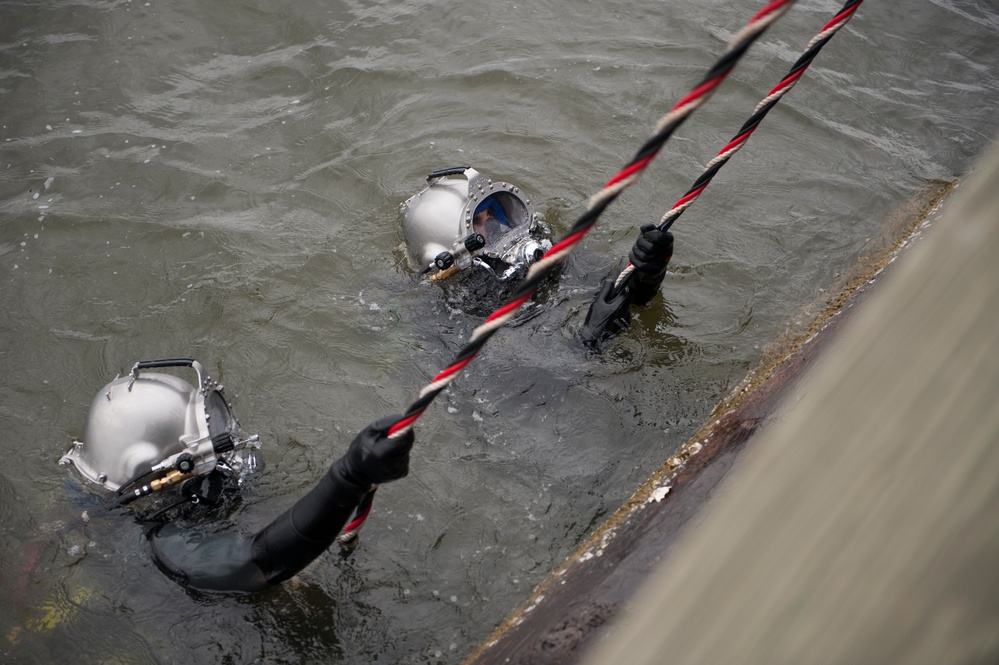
column 222, row 180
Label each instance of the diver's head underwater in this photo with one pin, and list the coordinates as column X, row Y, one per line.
column 149, row 431
column 151, row 434
column 477, row 238
column 464, row 222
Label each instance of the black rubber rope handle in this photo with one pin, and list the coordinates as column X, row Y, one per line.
column 451, row 170
column 164, row 362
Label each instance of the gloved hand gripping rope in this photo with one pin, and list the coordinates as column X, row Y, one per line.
column 638, row 282
column 231, row 562
column 610, row 312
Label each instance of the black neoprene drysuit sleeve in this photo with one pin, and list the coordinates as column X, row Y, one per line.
column 231, row 562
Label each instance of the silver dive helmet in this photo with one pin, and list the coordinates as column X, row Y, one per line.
column 464, row 218
column 159, row 429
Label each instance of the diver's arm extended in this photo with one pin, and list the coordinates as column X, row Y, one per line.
column 610, row 312
column 230, row 562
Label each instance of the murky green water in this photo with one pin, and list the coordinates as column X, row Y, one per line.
column 222, row 180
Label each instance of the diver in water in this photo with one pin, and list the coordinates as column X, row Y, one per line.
column 464, row 226
column 150, row 432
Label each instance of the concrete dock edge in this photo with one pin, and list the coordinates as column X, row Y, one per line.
column 811, row 496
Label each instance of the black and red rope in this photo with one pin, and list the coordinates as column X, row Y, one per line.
column 596, row 205
column 747, row 129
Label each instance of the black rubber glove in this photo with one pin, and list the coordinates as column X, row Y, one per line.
column 649, row 256
column 373, row 458
column 608, row 315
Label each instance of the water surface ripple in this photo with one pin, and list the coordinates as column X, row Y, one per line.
column 222, row 179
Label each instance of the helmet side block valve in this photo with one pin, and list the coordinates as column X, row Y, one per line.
column 461, row 254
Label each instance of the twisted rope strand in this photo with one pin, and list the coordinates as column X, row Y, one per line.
column 596, row 204
column 762, row 109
